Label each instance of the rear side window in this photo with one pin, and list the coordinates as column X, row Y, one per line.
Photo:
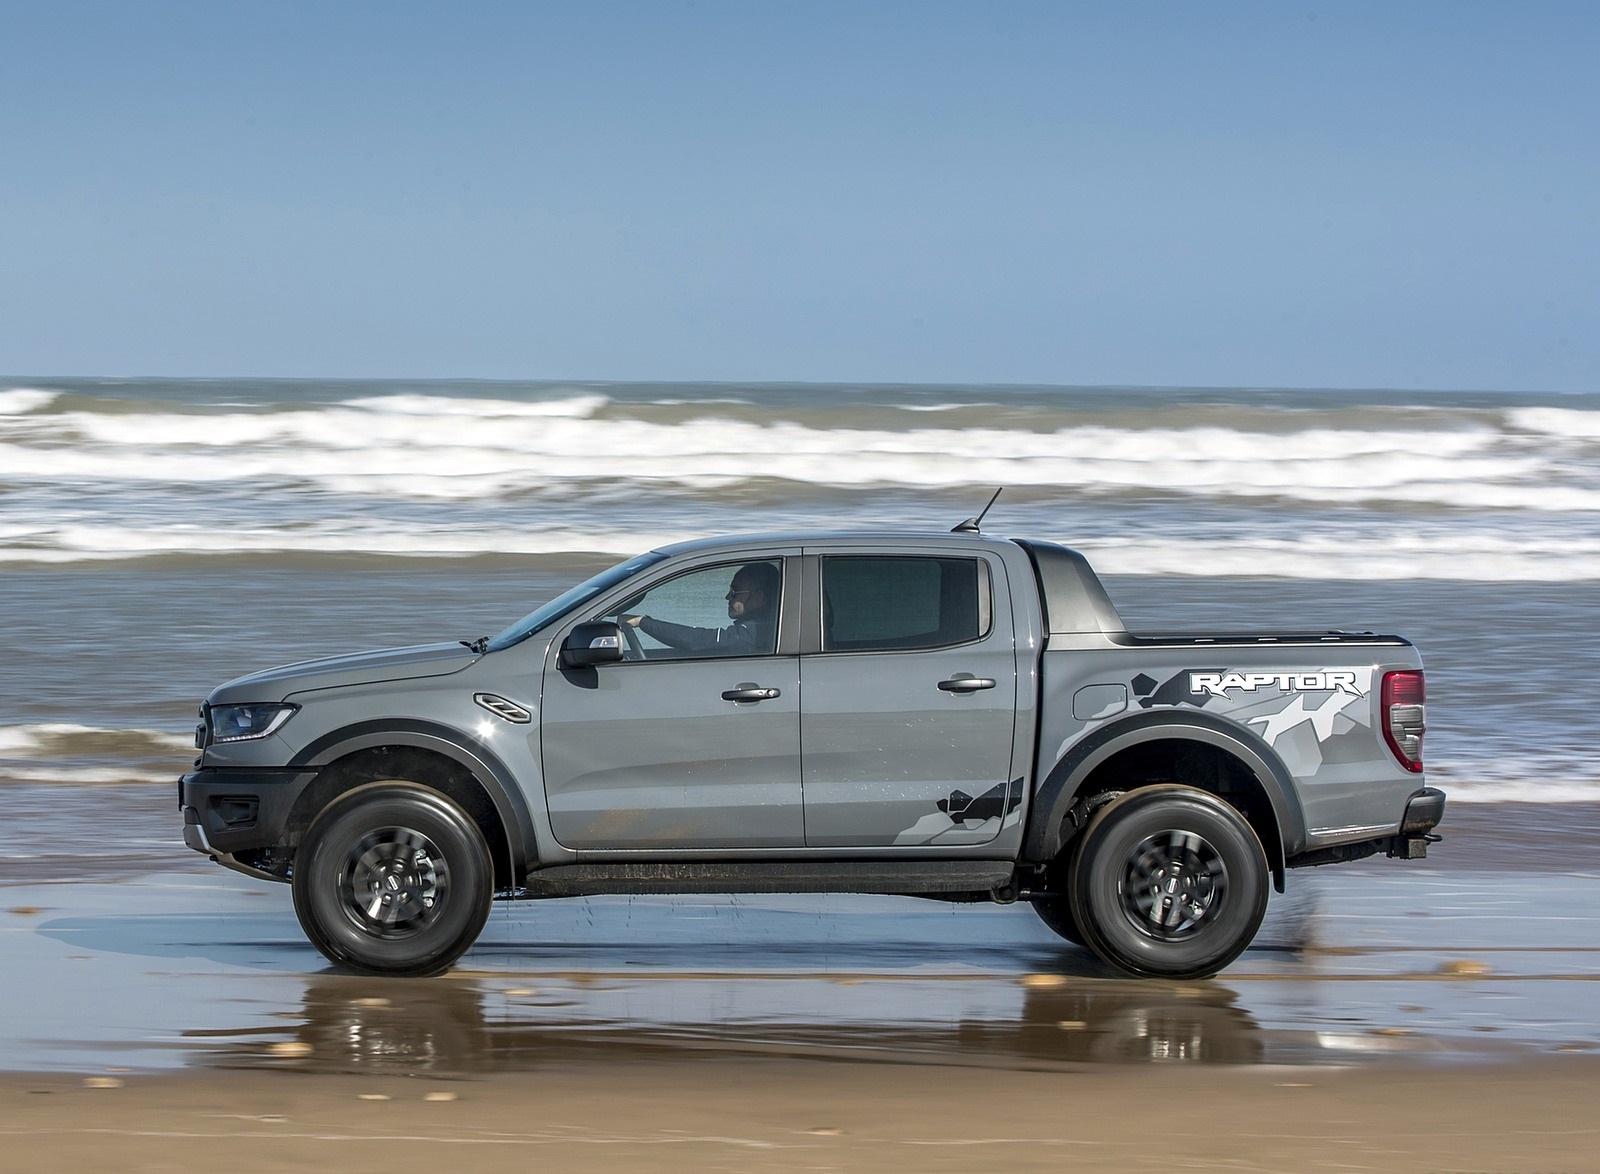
column 887, row 604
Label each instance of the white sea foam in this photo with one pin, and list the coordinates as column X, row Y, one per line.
column 89, row 543
column 442, row 454
column 45, row 739
column 85, row 776
column 64, row 752
column 1482, row 493
column 1523, row 780
column 16, row 401
column 1563, row 422
column 1469, row 557
column 578, row 406
column 1466, row 556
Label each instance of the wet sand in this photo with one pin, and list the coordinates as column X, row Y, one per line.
column 798, row 1115
column 1440, row 1014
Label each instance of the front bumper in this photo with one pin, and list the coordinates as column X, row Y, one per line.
column 230, row 811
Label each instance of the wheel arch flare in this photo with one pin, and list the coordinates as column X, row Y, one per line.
column 1170, row 746
column 434, row 757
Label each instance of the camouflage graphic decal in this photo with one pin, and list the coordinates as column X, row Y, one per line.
column 1296, row 711
column 1174, row 691
column 963, row 819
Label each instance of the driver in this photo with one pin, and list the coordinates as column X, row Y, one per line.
column 752, row 606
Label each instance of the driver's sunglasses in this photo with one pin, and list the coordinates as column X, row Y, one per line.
column 735, row 594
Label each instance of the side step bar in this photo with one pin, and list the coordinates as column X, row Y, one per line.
column 911, row 878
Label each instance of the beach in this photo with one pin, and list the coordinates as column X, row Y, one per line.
column 797, row 1115
column 353, row 356
column 1440, row 1014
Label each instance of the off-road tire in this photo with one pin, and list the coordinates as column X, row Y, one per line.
column 393, row 879
column 1056, row 912
column 1168, row 882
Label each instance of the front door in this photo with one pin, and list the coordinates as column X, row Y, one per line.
column 910, row 704
column 693, row 740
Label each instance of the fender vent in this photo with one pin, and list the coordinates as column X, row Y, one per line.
column 500, row 707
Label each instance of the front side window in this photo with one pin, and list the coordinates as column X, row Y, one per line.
column 889, row 604
column 726, row 610
column 574, row 597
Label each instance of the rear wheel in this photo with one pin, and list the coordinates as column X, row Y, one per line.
column 1168, row 882
column 393, row 878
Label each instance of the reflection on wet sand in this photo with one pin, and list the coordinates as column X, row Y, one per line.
column 456, row 1027
column 214, row 973
column 1123, row 1022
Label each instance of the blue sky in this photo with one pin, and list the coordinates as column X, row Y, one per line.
column 1204, row 194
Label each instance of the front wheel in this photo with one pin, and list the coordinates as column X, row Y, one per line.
column 1168, row 882
column 393, row 879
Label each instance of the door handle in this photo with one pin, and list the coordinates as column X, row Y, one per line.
column 750, row 691
column 966, row 683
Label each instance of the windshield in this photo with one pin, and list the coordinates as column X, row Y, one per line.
column 569, row 599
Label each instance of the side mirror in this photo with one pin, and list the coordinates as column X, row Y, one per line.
column 590, row 644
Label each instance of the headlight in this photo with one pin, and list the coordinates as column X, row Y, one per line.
column 239, row 723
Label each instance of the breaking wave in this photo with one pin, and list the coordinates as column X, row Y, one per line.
column 1480, row 557
column 61, row 752
column 1284, row 483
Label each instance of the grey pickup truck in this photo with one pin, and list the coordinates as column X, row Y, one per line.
column 943, row 715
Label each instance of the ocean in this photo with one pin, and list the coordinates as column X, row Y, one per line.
column 159, row 536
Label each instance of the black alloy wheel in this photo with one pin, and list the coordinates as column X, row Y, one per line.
column 393, row 879
column 1168, row 882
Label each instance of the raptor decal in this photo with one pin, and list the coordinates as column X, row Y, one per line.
column 1318, row 681
column 1298, row 712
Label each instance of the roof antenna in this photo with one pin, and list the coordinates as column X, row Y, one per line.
column 970, row 526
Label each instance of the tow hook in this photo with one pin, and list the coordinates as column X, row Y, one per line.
column 1412, row 847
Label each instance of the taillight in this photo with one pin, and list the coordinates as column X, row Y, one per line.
column 1405, row 716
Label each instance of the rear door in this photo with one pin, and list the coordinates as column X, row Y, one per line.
column 910, row 700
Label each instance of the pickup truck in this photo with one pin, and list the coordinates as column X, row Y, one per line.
column 944, row 715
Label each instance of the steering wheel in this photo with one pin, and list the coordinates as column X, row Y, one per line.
column 631, row 635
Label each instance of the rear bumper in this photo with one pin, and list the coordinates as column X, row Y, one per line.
column 1424, row 810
